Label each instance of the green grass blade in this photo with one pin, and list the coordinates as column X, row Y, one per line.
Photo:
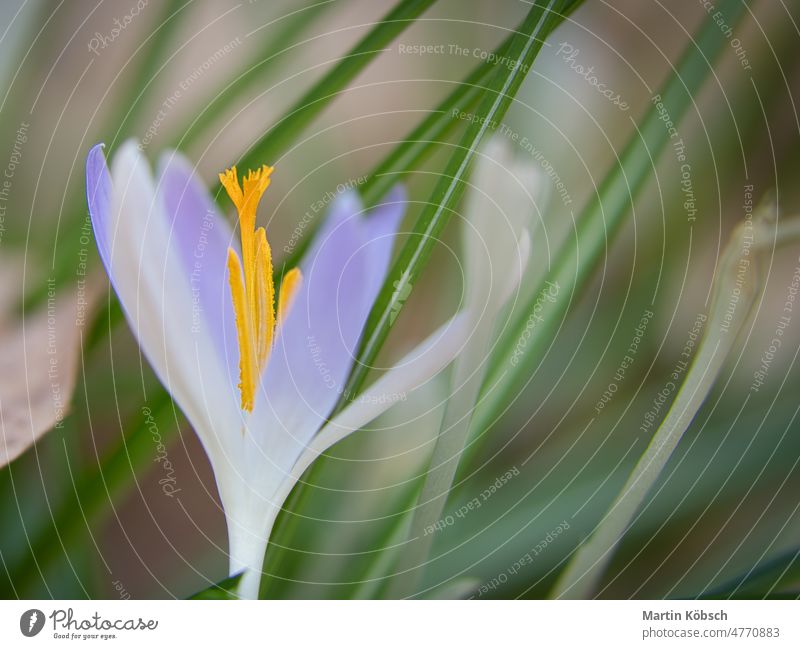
column 225, row 589
column 436, row 127
column 751, row 241
column 765, row 580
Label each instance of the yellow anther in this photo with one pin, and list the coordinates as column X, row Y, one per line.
column 244, row 332
column 230, row 181
column 289, row 286
column 252, row 285
column 265, row 297
column 255, row 183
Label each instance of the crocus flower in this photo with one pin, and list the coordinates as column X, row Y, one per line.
column 257, row 383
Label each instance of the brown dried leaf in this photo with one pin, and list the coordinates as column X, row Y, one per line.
column 39, row 361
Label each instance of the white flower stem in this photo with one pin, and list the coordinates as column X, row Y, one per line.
column 249, row 584
column 247, row 547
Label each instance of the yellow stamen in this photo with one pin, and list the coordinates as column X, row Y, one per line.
column 265, row 290
column 230, row 181
column 252, row 285
column 244, row 331
column 291, row 282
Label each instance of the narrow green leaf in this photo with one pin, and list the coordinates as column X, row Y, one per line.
column 595, row 226
column 225, row 589
column 767, row 579
column 430, row 132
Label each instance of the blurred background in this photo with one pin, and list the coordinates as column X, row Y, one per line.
column 83, row 516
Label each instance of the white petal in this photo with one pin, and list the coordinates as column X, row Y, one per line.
column 251, row 507
column 417, row 368
column 505, row 195
column 156, row 296
column 517, row 269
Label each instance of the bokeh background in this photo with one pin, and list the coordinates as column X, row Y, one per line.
column 75, row 524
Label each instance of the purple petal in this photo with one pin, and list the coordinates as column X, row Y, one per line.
column 315, row 348
column 380, row 230
column 98, row 195
column 201, row 237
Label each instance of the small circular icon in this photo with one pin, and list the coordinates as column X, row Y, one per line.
column 31, row 622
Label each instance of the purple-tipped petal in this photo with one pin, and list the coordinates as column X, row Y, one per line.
column 98, row 195
column 315, row 346
column 380, row 230
column 202, row 238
